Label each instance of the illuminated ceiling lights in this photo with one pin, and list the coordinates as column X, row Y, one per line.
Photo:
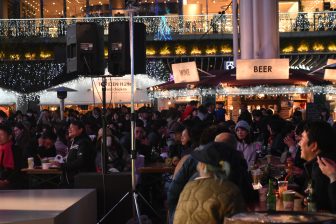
column 196, row 51
column 288, row 49
column 180, row 50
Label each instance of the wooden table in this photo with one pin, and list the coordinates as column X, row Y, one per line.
column 280, row 217
column 156, row 168
column 41, row 171
column 40, row 178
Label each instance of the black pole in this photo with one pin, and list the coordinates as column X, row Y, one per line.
column 41, row 9
column 104, row 146
column 64, row 9
column 87, row 8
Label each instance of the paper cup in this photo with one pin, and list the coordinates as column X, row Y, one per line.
column 288, row 200
column 45, row 166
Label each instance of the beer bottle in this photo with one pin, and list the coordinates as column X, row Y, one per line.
column 270, row 197
column 311, row 206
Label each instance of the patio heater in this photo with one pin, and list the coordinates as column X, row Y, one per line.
column 62, row 93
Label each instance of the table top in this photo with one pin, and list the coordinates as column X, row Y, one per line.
column 41, row 171
column 157, row 168
column 32, row 206
column 280, row 217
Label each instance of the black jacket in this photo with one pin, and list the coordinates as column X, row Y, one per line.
column 324, row 193
column 81, row 158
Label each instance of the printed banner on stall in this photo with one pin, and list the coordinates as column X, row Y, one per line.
column 116, row 85
column 117, row 89
column 185, row 72
column 330, row 74
column 262, row 69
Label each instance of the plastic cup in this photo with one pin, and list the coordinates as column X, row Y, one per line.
column 269, row 158
column 256, row 174
column 288, row 200
column 262, row 194
column 283, row 186
column 30, row 161
column 298, row 204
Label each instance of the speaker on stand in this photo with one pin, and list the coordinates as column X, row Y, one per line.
column 85, row 49
column 119, row 60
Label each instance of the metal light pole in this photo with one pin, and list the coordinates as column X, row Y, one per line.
column 235, row 31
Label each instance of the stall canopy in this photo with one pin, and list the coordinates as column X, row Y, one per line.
column 225, row 83
column 89, row 91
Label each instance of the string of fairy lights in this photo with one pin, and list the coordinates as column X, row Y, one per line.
column 55, row 27
column 241, row 91
column 28, row 77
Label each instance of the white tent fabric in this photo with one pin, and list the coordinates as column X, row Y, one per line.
column 89, row 91
column 8, row 97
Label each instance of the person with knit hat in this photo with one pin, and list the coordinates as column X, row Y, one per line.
column 210, row 197
column 244, row 142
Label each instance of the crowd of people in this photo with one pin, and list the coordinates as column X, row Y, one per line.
column 213, row 156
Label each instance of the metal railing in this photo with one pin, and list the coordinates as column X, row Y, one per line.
column 162, row 27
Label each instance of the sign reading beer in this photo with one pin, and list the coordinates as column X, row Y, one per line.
column 185, row 72
column 262, row 69
column 330, row 74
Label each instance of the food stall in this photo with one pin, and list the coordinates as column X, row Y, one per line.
column 283, row 96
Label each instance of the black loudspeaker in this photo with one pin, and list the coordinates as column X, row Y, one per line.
column 119, row 62
column 116, row 186
column 60, row 54
column 85, row 49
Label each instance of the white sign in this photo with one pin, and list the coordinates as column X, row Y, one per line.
column 262, row 69
column 330, row 74
column 116, row 85
column 185, row 72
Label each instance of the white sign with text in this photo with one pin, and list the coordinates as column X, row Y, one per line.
column 117, row 89
column 185, row 72
column 262, row 69
column 330, row 74
column 116, row 85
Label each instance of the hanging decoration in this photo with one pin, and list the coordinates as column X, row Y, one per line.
column 31, row 76
column 157, row 69
column 163, row 32
column 155, row 93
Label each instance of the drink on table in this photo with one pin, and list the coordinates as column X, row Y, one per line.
column 270, row 197
column 311, row 206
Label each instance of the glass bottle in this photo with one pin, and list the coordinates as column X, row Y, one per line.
column 270, row 197
column 311, row 206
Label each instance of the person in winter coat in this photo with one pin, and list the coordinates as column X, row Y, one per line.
column 210, row 197
column 81, row 156
column 244, row 142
